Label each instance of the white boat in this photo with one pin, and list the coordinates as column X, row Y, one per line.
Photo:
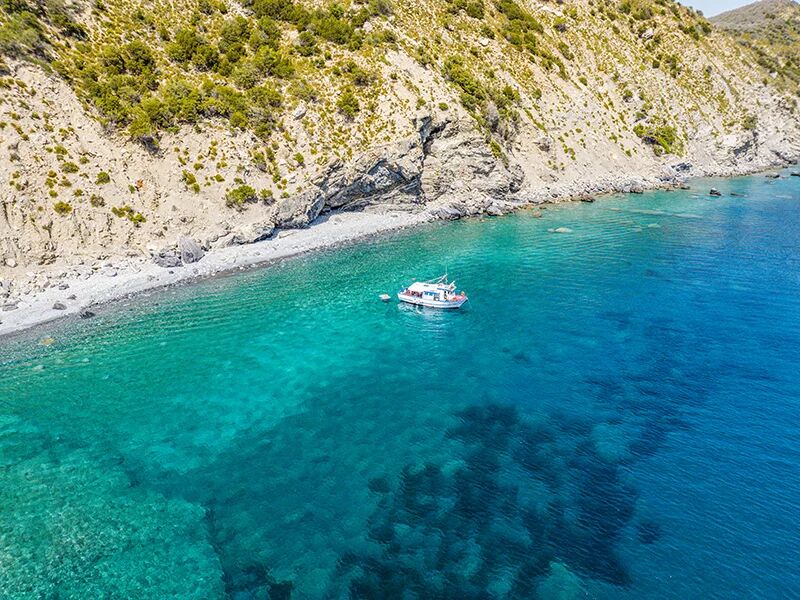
column 438, row 293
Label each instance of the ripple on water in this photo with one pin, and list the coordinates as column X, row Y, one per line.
column 610, row 416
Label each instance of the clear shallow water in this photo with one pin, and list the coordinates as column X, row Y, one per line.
column 613, row 415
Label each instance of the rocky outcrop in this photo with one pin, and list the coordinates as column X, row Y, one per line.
column 167, row 258
column 189, row 250
column 185, row 252
column 446, row 164
column 300, row 210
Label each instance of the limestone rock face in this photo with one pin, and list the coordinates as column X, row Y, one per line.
column 446, row 162
column 386, row 175
column 461, row 170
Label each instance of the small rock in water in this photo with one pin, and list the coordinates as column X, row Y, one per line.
column 86, row 314
column 773, row 175
column 59, row 306
column 560, row 230
column 795, row 173
column 714, row 192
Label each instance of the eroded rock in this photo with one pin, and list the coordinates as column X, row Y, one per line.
column 189, row 250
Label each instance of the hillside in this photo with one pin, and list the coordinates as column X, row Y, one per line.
column 770, row 29
column 756, row 16
column 128, row 123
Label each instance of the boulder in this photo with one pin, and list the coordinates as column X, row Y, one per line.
column 11, row 304
column 300, row 210
column 447, row 212
column 10, row 262
column 167, row 258
column 86, row 314
column 189, row 250
column 251, row 232
column 544, row 143
column 494, row 209
column 299, row 112
column 59, row 306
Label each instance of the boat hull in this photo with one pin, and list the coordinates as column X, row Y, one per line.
column 417, row 301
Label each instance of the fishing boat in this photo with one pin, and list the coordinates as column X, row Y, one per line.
column 438, row 293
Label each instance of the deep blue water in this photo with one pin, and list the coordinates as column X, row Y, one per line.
column 614, row 414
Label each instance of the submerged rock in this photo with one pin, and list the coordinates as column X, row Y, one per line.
column 560, row 230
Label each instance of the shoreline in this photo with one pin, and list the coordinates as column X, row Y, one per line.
column 119, row 282
column 124, row 280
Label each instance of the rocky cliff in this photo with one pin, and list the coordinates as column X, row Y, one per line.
column 128, row 124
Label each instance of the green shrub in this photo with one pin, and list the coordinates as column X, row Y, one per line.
column 70, row 167
column 472, row 91
column 62, row 208
column 127, row 212
column 663, row 138
column 238, row 196
column 22, row 36
column 102, row 178
column 347, row 103
column 191, row 181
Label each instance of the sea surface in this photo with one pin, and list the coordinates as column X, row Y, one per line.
column 614, row 414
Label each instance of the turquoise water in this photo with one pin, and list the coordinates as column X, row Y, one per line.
column 614, row 414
